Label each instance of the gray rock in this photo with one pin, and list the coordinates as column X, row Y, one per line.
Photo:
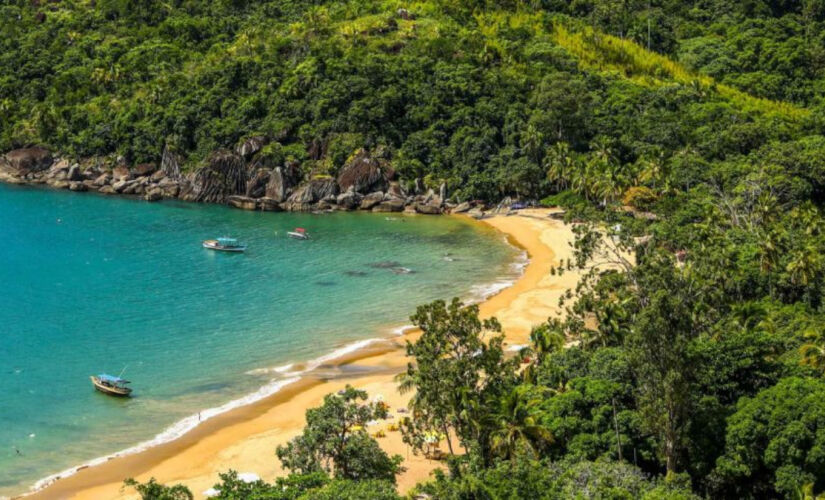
column 20, row 162
column 58, row 184
column 107, row 189
column 314, row 191
column 269, row 205
column 389, row 206
column 427, row 209
column 349, row 200
column 103, row 179
column 74, row 173
column 256, row 185
column 250, row 146
column 144, row 169
column 462, row 207
column 153, row 194
column 157, row 176
column 282, row 181
column 77, row 186
column 243, row 202
column 371, row 200
column 120, row 186
column 362, row 173
column 121, row 173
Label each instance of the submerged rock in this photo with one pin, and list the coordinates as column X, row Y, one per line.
column 385, row 264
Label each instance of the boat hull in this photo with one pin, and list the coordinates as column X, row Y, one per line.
column 213, row 245
column 109, row 390
column 298, row 236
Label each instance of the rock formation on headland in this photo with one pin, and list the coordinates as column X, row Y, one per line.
column 245, row 178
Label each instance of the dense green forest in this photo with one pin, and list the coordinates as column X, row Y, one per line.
column 695, row 372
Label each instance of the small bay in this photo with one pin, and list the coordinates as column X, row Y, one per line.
column 101, row 284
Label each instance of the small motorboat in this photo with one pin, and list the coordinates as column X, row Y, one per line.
column 299, row 234
column 111, row 385
column 224, row 245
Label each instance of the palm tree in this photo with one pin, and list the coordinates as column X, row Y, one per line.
column 805, row 265
column 560, row 165
column 516, row 423
column 813, row 351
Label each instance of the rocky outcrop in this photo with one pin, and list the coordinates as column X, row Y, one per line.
column 248, row 147
column 170, row 163
column 239, row 179
column 362, row 173
column 282, row 182
column 223, row 175
column 21, row 162
column 256, row 185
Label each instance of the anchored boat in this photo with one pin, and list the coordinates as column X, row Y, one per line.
column 299, row 234
column 111, row 385
column 224, row 245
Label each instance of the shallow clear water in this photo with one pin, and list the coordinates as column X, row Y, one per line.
column 94, row 284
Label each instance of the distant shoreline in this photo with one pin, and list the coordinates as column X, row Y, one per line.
column 255, row 429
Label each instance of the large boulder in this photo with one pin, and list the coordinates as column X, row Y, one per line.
column 395, row 205
column 144, row 169
column 282, row 181
column 363, row 173
column 20, row 162
column 314, row 191
column 349, row 200
column 223, row 175
column 170, row 163
column 103, row 179
column 256, row 185
column 78, row 186
column 462, row 207
column 250, row 146
column 269, row 205
column 121, row 173
column 371, row 200
column 242, row 202
column 74, row 174
column 427, row 209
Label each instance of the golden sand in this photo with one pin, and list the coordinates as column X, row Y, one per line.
column 245, row 439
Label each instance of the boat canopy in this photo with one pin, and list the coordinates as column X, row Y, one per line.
column 111, row 379
column 227, row 242
column 300, row 230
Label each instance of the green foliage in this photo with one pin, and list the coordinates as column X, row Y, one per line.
column 775, row 442
column 335, row 441
column 455, row 350
column 152, row 490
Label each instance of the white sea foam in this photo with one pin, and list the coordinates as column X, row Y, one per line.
column 174, row 431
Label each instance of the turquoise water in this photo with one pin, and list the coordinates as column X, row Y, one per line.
column 95, row 284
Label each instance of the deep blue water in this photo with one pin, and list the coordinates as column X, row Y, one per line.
column 97, row 284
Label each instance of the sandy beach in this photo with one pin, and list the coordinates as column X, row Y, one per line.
column 245, row 439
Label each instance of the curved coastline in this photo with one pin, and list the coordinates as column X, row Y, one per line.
column 303, row 385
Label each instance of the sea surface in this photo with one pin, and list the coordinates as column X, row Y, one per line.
column 92, row 284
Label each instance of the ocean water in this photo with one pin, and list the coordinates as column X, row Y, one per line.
column 96, row 284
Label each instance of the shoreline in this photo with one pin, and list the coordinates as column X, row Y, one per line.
column 244, row 437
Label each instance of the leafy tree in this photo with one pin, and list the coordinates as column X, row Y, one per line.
column 152, row 490
column 460, row 351
column 775, row 442
column 335, row 441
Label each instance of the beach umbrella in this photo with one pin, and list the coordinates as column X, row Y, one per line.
column 249, row 477
column 211, row 492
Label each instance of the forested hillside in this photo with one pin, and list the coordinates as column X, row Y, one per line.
column 473, row 94
column 697, row 371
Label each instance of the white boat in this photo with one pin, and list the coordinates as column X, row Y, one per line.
column 224, row 245
column 299, row 234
